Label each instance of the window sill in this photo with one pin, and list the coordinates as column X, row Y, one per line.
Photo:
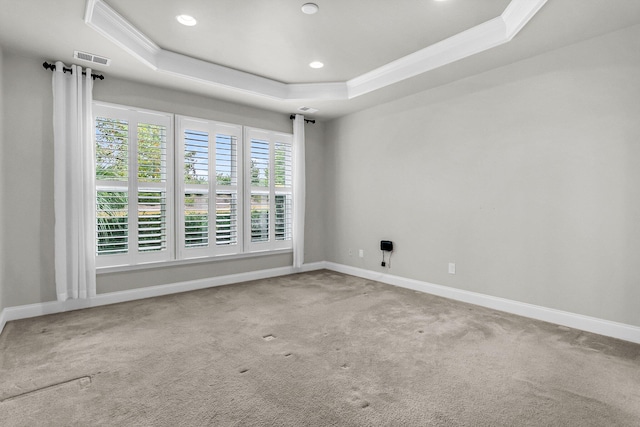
column 181, row 262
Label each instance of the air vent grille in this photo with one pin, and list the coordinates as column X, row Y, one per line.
column 84, row 56
column 100, row 60
column 90, row 57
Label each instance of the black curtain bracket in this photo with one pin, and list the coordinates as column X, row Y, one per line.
column 293, row 116
column 52, row 67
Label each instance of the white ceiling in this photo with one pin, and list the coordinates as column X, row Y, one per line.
column 276, row 40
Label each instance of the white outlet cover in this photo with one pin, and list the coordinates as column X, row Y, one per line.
column 452, row 268
column 361, row 253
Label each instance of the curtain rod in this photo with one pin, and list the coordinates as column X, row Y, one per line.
column 293, row 116
column 52, row 67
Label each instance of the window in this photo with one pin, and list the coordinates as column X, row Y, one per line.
column 134, row 154
column 209, row 188
column 269, row 190
column 218, row 190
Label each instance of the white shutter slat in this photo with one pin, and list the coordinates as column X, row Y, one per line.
column 196, row 156
column 260, row 152
column 112, row 222
column 226, row 160
column 152, row 153
column 284, row 216
column 259, row 218
column 112, row 149
column 283, row 165
column 226, row 218
column 152, row 221
column 196, row 220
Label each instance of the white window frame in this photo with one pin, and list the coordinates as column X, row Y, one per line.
column 134, row 116
column 175, row 187
column 272, row 138
column 213, row 129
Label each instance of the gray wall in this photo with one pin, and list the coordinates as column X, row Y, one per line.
column 27, row 160
column 2, row 200
column 526, row 177
column 27, row 164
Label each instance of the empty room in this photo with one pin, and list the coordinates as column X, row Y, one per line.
column 327, row 213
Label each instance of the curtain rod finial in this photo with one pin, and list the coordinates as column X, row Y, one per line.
column 293, row 116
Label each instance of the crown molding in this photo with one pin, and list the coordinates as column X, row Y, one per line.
column 518, row 14
column 116, row 28
column 474, row 40
column 487, row 35
column 218, row 75
column 317, row 91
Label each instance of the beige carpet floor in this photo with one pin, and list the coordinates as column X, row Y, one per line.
column 313, row 349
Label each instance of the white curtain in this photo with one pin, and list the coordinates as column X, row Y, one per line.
column 74, row 183
column 298, row 191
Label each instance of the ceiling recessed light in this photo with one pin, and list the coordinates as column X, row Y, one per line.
column 187, row 20
column 316, row 64
column 308, row 110
column 310, row 8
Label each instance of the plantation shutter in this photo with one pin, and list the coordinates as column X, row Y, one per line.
column 226, row 190
column 152, row 208
column 218, row 189
column 196, row 189
column 208, row 221
column 134, row 155
column 112, row 186
column 283, row 191
column 269, row 190
column 260, row 203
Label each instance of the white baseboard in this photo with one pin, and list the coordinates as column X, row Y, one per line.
column 572, row 320
column 577, row 321
column 3, row 320
column 52, row 307
column 313, row 266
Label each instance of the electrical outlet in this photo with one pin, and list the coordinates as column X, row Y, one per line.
column 452, row 268
column 350, row 252
column 361, row 253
